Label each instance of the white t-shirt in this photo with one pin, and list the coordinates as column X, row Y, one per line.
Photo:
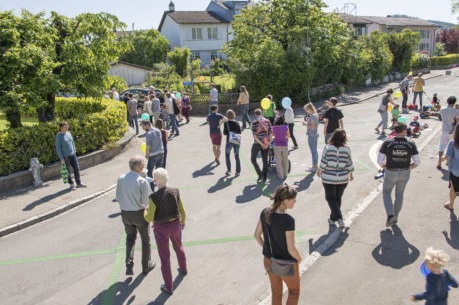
column 170, row 107
column 213, row 95
column 448, row 114
column 289, row 118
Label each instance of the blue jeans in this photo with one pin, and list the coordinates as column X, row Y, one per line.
column 397, row 179
column 415, row 94
column 327, row 137
column 229, row 146
column 245, row 115
column 134, row 120
column 384, row 120
column 312, row 141
column 155, row 161
column 73, row 162
column 174, row 124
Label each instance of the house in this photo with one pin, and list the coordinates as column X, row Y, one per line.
column 203, row 32
column 389, row 24
column 134, row 75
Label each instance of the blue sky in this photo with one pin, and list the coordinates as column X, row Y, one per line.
column 147, row 14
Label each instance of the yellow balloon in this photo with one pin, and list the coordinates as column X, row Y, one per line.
column 143, row 147
column 201, row 78
column 389, row 107
column 398, row 94
column 411, row 73
column 265, row 103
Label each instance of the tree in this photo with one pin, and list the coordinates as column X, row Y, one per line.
column 450, row 40
column 180, row 58
column 40, row 57
column 402, row 46
column 149, row 48
column 286, row 46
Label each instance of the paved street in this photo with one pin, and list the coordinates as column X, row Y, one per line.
column 78, row 257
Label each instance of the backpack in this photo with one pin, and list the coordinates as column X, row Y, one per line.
column 176, row 108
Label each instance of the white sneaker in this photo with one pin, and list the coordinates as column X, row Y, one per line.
column 341, row 223
column 311, row 169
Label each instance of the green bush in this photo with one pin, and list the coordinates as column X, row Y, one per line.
column 444, row 60
column 91, row 129
column 420, row 61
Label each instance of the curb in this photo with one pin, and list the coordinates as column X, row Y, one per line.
column 50, row 214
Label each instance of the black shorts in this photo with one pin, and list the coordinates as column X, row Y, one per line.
column 454, row 181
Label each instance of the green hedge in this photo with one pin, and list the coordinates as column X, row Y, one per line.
column 444, row 60
column 92, row 124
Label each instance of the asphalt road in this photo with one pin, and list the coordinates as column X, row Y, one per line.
column 78, row 257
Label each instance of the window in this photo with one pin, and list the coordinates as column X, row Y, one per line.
column 213, row 55
column 195, row 55
column 212, row 33
column 360, row 31
column 425, row 46
column 196, row 33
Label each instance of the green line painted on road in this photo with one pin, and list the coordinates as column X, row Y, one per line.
column 109, row 296
column 119, row 259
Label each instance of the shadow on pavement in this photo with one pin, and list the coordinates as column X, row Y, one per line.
column 222, row 183
column 394, row 250
column 114, row 215
column 163, row 297
column 119, row 292
column 343, row 235
column 453, row 239
column 250, row 192
column 305, row 183
column 205, row 171
column 45, row 199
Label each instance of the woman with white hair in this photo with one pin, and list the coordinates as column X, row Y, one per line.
column 168, row 215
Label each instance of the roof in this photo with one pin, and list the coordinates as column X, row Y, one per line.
column 119, row 62
column 191, row 17
column 395, row 21
column 352, row 19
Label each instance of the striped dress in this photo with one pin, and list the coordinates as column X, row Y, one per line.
column 336, row 164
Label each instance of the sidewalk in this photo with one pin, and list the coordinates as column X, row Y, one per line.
column 23, row 208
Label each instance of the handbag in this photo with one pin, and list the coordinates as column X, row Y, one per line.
column 233, row 137
column 280, row 267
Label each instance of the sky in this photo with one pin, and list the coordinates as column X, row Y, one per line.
column 143, row 14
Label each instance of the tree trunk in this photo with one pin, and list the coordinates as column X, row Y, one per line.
column 13, row 116
column 46, row 112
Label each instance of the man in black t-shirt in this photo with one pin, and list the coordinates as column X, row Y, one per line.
column 333, row 119
column 397, row 157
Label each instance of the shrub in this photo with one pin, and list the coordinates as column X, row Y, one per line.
column 91, row 129
column 420, row 61
column 444, row 60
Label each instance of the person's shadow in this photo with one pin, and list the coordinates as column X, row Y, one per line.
column 305, row 183
column 45, row 199
column 453, row 239
column 249, row 193
column 163, row 297
column 394, row 250
column 325, row 249
column 119, row 292
column 222, row 183
column 205, row 171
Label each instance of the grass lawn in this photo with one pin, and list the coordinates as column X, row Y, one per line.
column 26, row 121
column 227, row 81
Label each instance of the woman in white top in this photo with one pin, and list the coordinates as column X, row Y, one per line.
column 147, row 108
column 289, row 120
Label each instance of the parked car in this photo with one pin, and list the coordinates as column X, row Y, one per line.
column 139, row 94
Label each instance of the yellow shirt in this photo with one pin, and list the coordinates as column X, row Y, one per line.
column 418, row 85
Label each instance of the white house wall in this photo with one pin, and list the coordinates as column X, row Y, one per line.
column 134, row 76
column 171, row 30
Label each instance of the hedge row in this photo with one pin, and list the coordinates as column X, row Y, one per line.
column 92, row 124
column 444, row 60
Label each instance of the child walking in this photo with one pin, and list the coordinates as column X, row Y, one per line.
column 438, row 279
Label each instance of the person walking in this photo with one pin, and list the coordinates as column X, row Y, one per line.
column 66, row 151
column 438, row 280
column 215, row 119
column 397, row 156
column 186, row 107
column 155, row 150
column 333, row 119
column 262, row 134
column 271, row 112
column 169, row 217
column 171, row 111
column 382, row 109
column 336, row 170
column 213, row 96
column 132, row 194
column 147, row 108
column 164, row 137
column 275, row 233
column 232, row 126
column 313, row 134
column 405, row 89
column 290, row 120
column 448, row 116
column 155, row 106
column 243, row 102
column 133, row 117
column 418, row 90
column 452, row 157
column 281, row 135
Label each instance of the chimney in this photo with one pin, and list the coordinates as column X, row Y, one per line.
column 171, row 7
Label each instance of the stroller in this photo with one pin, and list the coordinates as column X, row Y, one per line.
column 272, row 162
column 433, row 109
